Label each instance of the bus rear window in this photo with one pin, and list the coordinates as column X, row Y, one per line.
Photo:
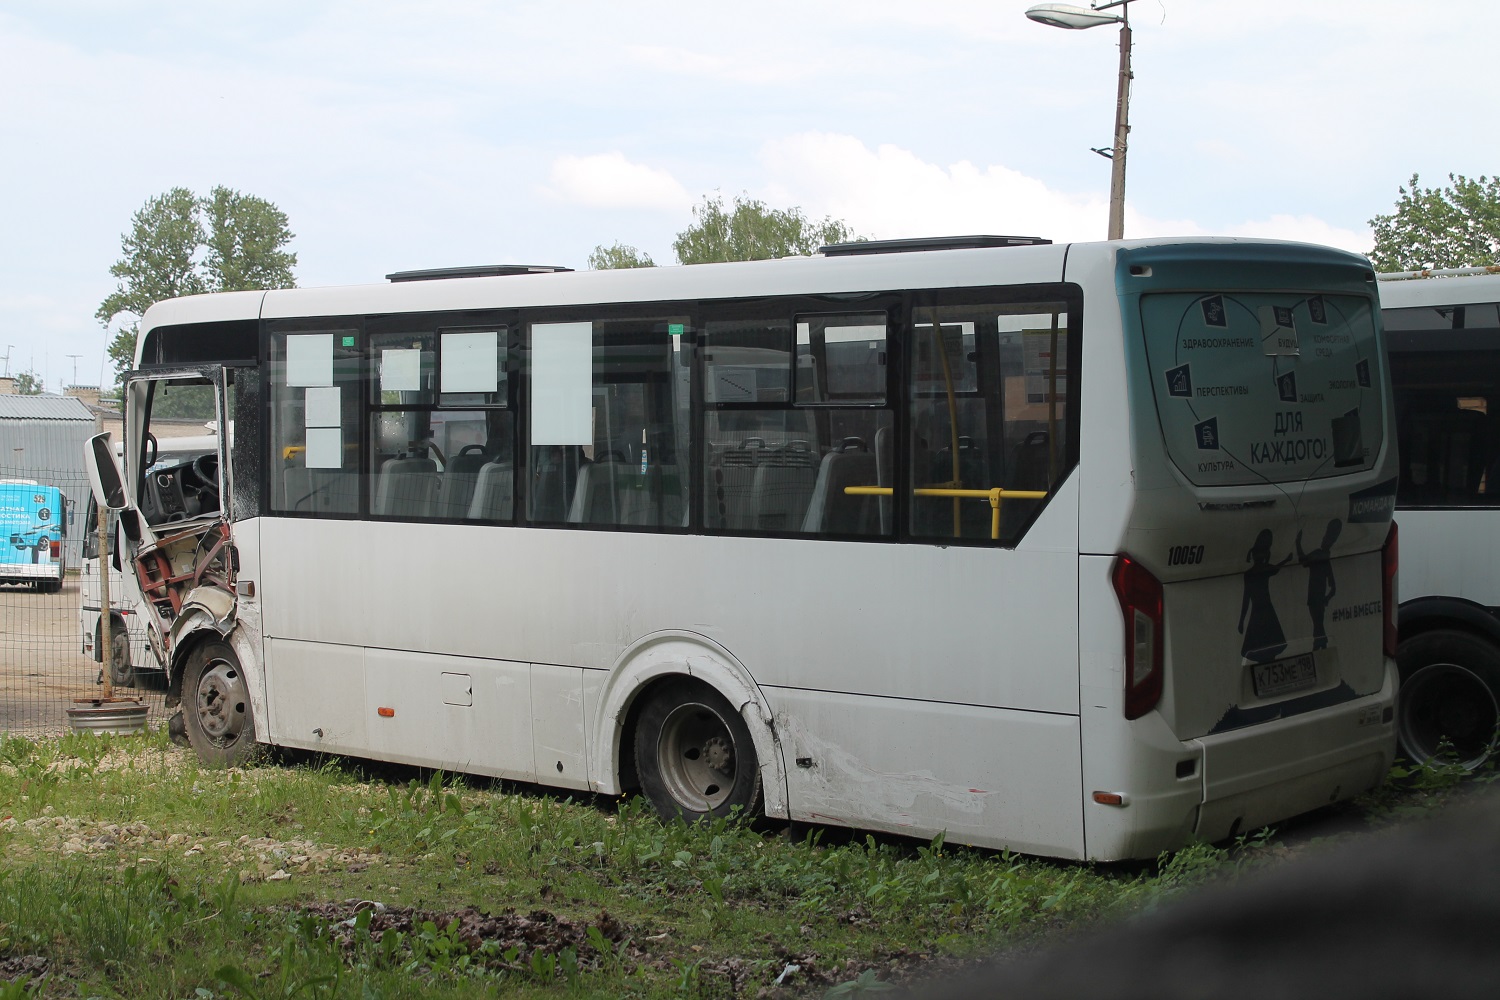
column 1257, row 387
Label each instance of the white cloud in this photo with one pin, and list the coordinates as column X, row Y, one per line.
column 890, row 192
column 1307, row 229
column 1220, row 149
column 609, row 180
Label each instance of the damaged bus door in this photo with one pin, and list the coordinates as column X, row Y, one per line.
column 173, row 512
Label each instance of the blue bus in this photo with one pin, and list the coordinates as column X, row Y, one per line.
column 34, row 532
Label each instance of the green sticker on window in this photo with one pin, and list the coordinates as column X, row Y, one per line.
column 348, row 341
column 674, row 329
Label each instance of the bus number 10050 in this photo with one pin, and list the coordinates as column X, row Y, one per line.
column 1184, row 555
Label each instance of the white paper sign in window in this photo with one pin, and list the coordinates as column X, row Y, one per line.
column 401, row 370
column 562, row 366
column 309, row 359
column 321, row 408
column 470, row 362
column 325, row 448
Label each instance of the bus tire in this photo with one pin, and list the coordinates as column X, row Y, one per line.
column 1450, row 690
column 216, row 710
column 121, row 670
column 694, row 754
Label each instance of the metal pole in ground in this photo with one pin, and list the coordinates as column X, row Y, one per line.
column 106, row 639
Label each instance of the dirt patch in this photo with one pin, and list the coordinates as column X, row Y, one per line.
column 29, row 967
column 255, row 858
column 500, row 941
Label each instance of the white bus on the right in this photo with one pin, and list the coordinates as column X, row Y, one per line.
column 1443, row 336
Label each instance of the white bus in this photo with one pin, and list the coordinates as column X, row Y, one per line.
column 1079, row 550
column 1443, row 334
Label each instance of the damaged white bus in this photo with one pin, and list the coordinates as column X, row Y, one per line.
column 1079, row 550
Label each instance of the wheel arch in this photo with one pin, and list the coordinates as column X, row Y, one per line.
column 665, row 656
column 117, row 623
column 190, row 639
column 1426, row 614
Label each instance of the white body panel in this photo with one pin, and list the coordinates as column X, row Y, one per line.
column 562, row 628
column 45, row 568
column 141, row 655
column 1450, row 553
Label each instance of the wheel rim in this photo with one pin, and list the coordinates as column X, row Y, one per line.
column 119, row 665
column 222, row 702
column 696, row 757
column 1447, row 701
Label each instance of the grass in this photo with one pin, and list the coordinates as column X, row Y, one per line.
column 130, row 871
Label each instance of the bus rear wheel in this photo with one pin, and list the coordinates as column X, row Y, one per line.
column 216, row 709
column 694, row 754
column 1450, row 697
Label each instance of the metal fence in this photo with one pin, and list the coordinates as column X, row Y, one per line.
column 44, row 669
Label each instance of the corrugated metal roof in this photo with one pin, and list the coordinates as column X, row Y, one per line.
column 43, row 408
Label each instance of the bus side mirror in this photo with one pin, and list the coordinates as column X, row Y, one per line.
column 105, row 480
column 108, row 483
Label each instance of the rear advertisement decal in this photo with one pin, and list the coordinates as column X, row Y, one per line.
column 1275, row 386
column 1264, row 639
column 1320, row 583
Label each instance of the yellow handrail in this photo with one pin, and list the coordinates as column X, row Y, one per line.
column 994, row 496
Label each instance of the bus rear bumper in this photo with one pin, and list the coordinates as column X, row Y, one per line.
column 21, row 572
column 1276, row 770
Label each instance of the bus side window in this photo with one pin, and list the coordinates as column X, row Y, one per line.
column 90, row 530
column 314, row 425
column 1446, row 428
column 608, row 446
column 795, row 418
column 988, row 408
column 440, row 415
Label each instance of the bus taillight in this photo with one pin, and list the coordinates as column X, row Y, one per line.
column 56, row 547
column 1140, row 596
column 1390, row 559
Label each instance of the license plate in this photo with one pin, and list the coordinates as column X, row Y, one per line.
column 1284, row 676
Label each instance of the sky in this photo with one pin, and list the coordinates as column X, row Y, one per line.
column 399, row 136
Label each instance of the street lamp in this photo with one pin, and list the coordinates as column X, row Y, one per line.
column 1063, row 15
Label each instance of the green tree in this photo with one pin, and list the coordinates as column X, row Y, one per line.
column 246, row 235
column 753, row 231
column 181, row 244
column 28, row 383
column 618, row 256
column 1456, row 226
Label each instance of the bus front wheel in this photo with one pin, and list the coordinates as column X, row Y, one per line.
column 121, row 670
column 694, row 754
column 1449, row 705
column 216, row 707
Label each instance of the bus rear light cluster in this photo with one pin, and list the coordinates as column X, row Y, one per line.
column 1140, row 597
column 56, row 547
column 1390, row 559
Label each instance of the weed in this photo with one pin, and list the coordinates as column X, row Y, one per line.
column 20, row 989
